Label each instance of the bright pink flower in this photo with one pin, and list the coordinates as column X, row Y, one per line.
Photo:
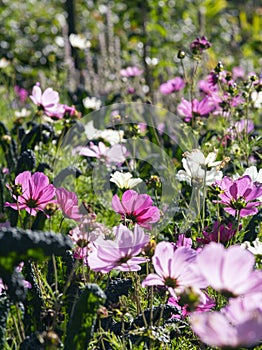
column 239, row 195
column 195, row 108
column 48, row 101
column 218, row 233
column 205, row 304
column 136, row 208
column 229, row 271
column 131, row 72
column 120, row 253
column 172, row 85
column 175, row 269
column 36, row 192
column 114, row 154
column 68, row 202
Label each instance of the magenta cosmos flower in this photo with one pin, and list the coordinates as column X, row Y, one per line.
column 48, row 101
column 68, row 202
column 120, row 253
column 199, row 45
column 218, row 233
column 35, row 192
column 229, row 271
column 239, row 195
column 175, row 269
column 136, row 208
column 195, row 108
column 172, row 85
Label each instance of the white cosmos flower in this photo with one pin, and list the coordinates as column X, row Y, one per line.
column 92, row 103
column 125, row 180
column 23, row 113
column 196, row 168
column 255, row 248
column 79, row 41
column 109, row 135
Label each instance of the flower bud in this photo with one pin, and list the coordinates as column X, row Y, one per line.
column 181, row 54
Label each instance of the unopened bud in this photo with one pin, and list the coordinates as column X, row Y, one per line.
column 181, row 54
column 51, row 208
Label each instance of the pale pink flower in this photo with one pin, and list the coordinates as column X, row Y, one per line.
column 172, row 85
column 175, row 269
column 48, row 101
column 229, row 271
column 85, row 233
column 68, row 202
column 136, row 208
column 183, row 241
column 36, row 192
column 131, row 72
column 120, row 253
column 114, row 154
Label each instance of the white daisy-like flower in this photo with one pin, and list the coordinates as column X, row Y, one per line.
column 196, row 168
column 125, row 180
column 257, row 99
column 23, row 113
column 109, row 135
column 255, row 248
column 92, row 103
column 79, row 41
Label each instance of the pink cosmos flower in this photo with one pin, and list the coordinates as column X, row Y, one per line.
column 36, row 192
column 175, row 269
column 68, row 202
column 195, row 108
column 21, row 93
column 183, row 241
column 218, row 233
column 115, row 154
column 87, row 232
column 48, row 101
column 229, row 271
column 215, row 329
column 239, row 195
column 136, row 208
column 205, row 304
column 172, row 85
column 120, row 253
column 131, row 72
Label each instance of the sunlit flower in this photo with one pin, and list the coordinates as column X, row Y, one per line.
column 136, row 208
column 114, row 154
column 196, row 168
column 239, row 195
column 255, row 248
column 229, row 271
column 216, row 329
column 48, row 101
column 172, row 85
column 34, row 192
column 79, row 41
column 175, row 269
column 109, row 135
column 124, row 180
column 195, row 108
column 68, row 202
column 92, row 103
column 120, row 253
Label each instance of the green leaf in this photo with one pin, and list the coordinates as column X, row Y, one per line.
column 81, row 324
